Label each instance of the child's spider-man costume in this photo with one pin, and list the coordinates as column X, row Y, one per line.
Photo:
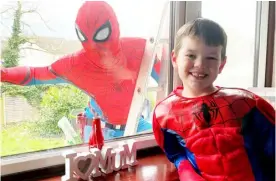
column 106, row 68
column 228, row 135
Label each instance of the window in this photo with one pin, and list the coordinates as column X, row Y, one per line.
column 240, row 29
column 40, row 117
column 247, row 44
column 151, row 20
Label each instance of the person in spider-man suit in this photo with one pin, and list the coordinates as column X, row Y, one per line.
column 213, row 133
column 106, row 68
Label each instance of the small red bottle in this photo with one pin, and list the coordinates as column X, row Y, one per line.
column 96, row 139
column 81, row 122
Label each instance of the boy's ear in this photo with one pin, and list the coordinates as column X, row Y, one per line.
column 173, row 56
column 223, row 62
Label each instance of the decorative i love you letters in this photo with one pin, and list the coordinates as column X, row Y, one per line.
column 86, row 165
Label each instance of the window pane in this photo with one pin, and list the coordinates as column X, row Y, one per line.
column 62, row 89
column 240, row 29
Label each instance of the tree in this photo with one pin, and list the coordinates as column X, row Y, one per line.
column 12, row 49
column 56, row 103
column 11, row 55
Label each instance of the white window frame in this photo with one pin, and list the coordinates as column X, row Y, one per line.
column 184, row 11
column 260, row 43
column 142, row 81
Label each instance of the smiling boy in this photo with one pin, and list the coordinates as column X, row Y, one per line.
column 209, row 132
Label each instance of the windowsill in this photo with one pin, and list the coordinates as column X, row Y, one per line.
column 152, row 165
column 43, row 159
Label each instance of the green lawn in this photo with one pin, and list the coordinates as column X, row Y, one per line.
column 18, row 138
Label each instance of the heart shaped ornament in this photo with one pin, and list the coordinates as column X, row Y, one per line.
column 83, row 164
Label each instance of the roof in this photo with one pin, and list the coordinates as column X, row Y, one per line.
column 56, row 46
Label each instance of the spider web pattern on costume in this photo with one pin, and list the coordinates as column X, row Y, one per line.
column 225, row 111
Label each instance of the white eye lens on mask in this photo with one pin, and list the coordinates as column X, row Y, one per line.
column 102, row 34
column 80, row 35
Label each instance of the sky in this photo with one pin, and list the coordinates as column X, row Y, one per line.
column 140, row 18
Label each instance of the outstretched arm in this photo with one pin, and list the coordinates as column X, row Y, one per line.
column 29, row 76
column 174, row 147
column 26, row 76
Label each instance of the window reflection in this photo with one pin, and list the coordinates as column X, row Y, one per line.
column 240, row 29
column 43, row 114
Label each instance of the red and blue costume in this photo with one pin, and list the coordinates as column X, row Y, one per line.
column 106, row 68
column 226, row 136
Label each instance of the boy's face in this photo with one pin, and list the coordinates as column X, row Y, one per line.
column 198, row 64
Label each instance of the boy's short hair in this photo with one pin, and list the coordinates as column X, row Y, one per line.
column 207, row 30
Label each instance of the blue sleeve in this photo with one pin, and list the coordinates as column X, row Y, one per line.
column 258, row 129
column 96, row 107
column 53, row 81
column 263, row 132
column 264, row 118
column 176, row 150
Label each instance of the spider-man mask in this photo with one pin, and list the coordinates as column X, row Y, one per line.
column 97, row 28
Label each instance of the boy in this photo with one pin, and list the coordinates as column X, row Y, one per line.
column 208, row 132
